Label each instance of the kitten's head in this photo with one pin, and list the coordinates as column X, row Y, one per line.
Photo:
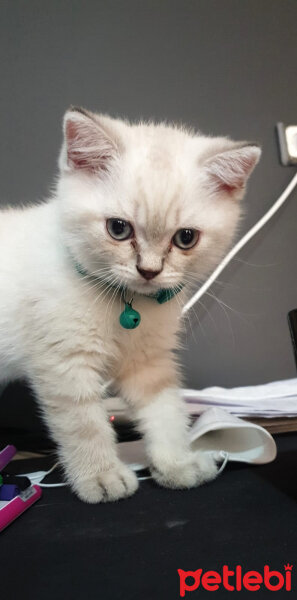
column 149, row 206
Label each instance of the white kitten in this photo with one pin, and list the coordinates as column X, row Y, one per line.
column 138, row 208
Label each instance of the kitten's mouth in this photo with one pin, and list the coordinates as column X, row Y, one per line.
column 146, row 289
column 149, row 288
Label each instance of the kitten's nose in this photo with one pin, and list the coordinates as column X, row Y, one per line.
column 147, row 274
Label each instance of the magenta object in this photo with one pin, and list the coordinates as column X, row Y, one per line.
column 13, row 509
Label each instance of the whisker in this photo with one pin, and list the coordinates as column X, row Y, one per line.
column 177, row 300
column 110, row 303
column 208, row 313
column 176, row 288
column 249, row 264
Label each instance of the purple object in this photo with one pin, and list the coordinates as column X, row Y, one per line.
column 8, row 491
column 6, row 455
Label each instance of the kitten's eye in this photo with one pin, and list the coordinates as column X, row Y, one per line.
column 186, row 238
column 119, row 229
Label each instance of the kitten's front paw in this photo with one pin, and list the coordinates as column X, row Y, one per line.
column 108, row 486
column 189, row 471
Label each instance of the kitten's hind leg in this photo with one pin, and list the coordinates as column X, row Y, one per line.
column 85, row 438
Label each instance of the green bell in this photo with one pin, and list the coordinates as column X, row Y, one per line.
column 129, row 318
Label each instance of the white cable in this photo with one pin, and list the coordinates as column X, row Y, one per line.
column 241, row 243
column 225, row 457
column 49, row 485
column 38, row 476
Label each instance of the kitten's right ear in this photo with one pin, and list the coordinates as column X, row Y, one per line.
column 87, row 145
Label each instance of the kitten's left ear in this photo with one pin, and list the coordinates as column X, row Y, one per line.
column 228, row 171
column 88, row 146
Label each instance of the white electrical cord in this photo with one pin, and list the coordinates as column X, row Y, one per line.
column 241, row 243
column 225, row 456
column 38, row 476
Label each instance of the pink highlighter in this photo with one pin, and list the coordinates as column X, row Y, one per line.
column 10, row 510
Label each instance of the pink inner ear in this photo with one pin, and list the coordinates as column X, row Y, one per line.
column 71, row 131
column 224, row 187
column 230, row 170
column 87, row 146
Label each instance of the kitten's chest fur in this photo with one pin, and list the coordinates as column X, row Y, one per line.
column 121, row 350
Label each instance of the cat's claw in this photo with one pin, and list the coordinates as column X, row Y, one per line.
column 194, row 469
column 108, row 486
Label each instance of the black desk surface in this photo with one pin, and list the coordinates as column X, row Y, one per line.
column 62, row 548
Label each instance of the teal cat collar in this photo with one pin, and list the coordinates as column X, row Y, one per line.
column 130, row 318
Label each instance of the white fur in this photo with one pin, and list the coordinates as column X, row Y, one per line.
column 61, row 331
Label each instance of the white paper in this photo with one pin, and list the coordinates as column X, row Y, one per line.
column 276, row 399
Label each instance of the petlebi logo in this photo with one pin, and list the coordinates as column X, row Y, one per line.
column 236, row 579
